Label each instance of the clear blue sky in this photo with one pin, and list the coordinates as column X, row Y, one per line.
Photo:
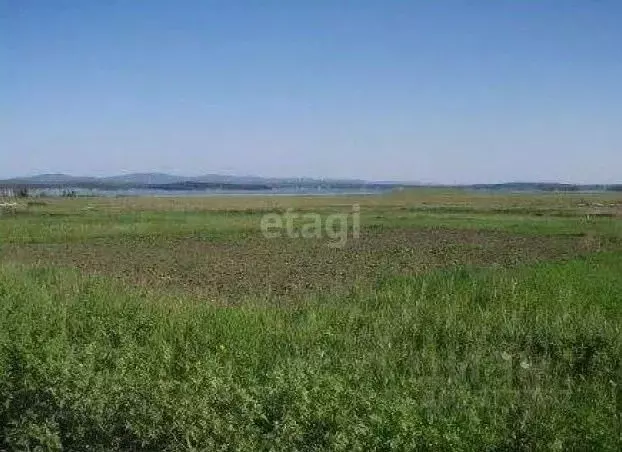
column 432, row 91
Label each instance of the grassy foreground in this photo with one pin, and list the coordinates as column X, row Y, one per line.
column 479, row 357
column 457, row 359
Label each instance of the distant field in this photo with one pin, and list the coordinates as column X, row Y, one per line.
column 455, row 321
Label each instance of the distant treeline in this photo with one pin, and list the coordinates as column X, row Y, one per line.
column 519, row 186
column 191, row 185
column 22, row 187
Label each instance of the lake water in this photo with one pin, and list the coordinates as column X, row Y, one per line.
column 210, row 192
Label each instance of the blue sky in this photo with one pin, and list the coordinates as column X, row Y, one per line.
column 432, row 91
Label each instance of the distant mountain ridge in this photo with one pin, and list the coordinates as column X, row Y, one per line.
column 163, row 181
column 143, row 179
column 49, row 179
column 163, row 178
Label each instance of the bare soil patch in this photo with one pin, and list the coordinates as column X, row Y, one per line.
column 258, row 266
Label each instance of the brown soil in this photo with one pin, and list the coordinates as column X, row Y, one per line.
column 259, row 266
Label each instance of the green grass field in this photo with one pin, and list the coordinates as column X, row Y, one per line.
column 456, row 321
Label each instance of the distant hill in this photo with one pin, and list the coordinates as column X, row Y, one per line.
column 143, row 179
column 49, row 179
column 148, row 179
column 163, row 181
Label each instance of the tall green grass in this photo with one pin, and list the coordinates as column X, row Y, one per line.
column 459, row 359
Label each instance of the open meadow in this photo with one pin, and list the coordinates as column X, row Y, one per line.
column 450, row 320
